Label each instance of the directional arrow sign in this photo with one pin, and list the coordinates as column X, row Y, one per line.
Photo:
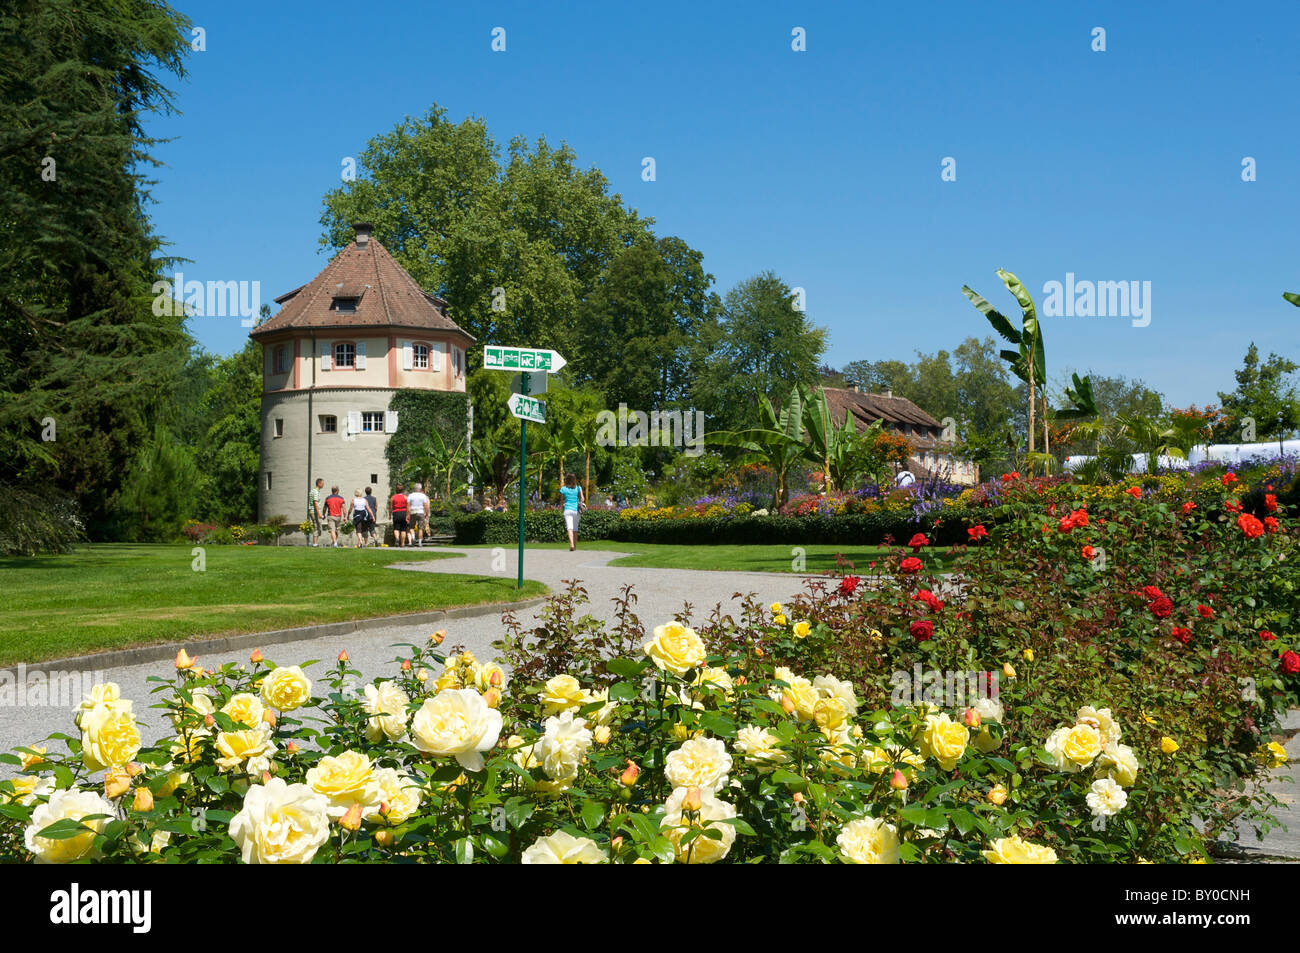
column 521, row 359
column 527, row 408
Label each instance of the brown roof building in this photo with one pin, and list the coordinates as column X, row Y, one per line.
column 333, row 356
column 903, row 417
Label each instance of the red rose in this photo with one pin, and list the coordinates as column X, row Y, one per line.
column 1205, row 611
column 923, row 630
column 1290, row 662
column 1152, row 592
column 1087, row 552
column 910, row 565
column 917, row 541
column 1270, row 502
column 1182, row 635
column 1232, row 506
column 849, row 585
column 1271, row 524
column 1228, row 478
column 1135, row 492
column 1013, row 475
column 1162, row 607
column 1188, row 507
column 930, row 599
column 1266, row 635
column 1250, row 526
column 977, row 533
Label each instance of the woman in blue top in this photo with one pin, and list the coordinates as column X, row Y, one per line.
column 573, row 502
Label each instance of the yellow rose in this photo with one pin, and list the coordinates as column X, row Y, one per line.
column 286, row 688
column 562, row 693
column 700, row 762
column 563, row 747
column 1013, row 850
column 398, row 793
column 944, row 740
column 802, row 697
column 1275, row 754
column 700, row 850
column 245, row 709
column 998, row 794
column 801, row 630
column 344, row 780
column 869, row 840
column 73, row 805
column 776, row 608
column 105, row 693
column 174, row 780
column 1119, row 763
column 563, row 848
column 251, row 749
column 34, row 755
column 280, row 824
column 1074, row 748
column 457, row 722
column 27, row 788
column 759, row 744
column 109, row 736
column 778, row 620
column 675, row 648
column 386, row 706
column 1168, row 745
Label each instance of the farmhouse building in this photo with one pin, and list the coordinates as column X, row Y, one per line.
column 931, row 456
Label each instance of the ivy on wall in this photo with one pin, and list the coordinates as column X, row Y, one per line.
column 420, row 413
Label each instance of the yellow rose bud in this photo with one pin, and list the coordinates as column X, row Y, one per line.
column 997, row 794
column 135, row 769
column 493, row 697
column 787, row 704
column 291, row 747
column 757, row 651
column 616, row 843
column 778, row 619
column 1029, row 655
column 438, row 636
column 797, row 797
column 384, row 838
column 601, row 734
column 1168, row 745
column 406, row 665
column 209, row 721
column 692, row 802
column 183, row 660
column 971, row 717
column 343, row 656
column 256, row 656
column 37, row 757
column 116, row 783
column 268, row 716
column 1008, row 670
column 898, row 781
column 629, row 775
column 351, row 820
column 143, row 800
column 776, row 608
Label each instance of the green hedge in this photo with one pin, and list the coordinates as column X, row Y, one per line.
column 548, row 527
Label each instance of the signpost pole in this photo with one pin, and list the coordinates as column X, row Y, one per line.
column 523, row 482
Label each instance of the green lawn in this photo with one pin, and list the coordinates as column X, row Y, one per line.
column 114, row 596
column 773, row 558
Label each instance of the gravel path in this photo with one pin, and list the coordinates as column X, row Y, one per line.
column 660, row 593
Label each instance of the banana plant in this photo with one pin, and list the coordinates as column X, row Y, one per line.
column 434, row 462
column 1027, row 362
column 843, row 454
column 1151, row 437
column 777, row 443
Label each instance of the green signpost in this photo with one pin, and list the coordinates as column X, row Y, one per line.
column 533, row 364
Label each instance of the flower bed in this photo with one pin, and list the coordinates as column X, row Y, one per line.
column 1099, row 683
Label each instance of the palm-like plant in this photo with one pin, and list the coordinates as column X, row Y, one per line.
column 844, row 454
column 1151, row 437
column 1027, row 362
column 777, row 443
column 434, row 463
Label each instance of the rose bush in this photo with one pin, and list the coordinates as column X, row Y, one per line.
column 1052, row 708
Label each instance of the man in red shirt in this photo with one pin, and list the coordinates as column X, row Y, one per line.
column 334, row 514
column 398, row 507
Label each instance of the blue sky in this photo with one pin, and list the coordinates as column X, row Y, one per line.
column 823, row 165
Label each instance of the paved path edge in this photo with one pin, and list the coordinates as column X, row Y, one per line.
column 167, row 651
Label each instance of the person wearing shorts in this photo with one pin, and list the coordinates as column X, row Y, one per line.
column 334, row 514
column 373, row 518
column 418, row 503
column 314, row 510
column 360, row 518
column 397, row 506
column 573, row 503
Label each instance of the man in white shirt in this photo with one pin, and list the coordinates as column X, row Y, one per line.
column 418, row 503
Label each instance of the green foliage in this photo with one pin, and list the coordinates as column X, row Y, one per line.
column 1265, row 394
column 79, row 343
column 420, row 414
column 157, row 496
column 37, row 522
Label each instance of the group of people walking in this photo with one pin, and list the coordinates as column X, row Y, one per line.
column 409, row 512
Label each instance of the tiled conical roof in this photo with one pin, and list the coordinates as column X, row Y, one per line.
column 363, row 276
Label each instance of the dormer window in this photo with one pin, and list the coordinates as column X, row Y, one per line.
column 347, row 295
column 345, row 305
